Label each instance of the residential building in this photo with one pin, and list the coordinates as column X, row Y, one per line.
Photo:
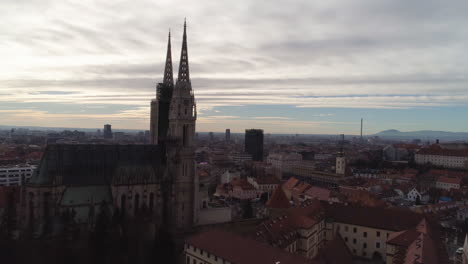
column 447, row 183
column 415, row 195
column 15, row 175
column 447, row 158
column 219, row 246
column 284, row 161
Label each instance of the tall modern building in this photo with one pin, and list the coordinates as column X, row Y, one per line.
column 156, row 180
column 228, row 135
column 254, row 143
column 107, row 131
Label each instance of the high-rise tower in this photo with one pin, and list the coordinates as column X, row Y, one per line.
column 180, row 146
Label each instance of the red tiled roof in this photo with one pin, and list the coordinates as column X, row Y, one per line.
column 318, row 193
column 451, row 180
column 375, row 217
column 237, row 249
column 242, row 183
column 403, row 238
column 436, row 172
column 301, row 188
column 290, row 183
column 444, row 152
column 278, row 199
column 268, row 180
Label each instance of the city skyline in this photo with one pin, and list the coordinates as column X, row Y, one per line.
column 398, row 65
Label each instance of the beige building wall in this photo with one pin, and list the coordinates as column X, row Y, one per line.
column 195, row 255
column 364, row 241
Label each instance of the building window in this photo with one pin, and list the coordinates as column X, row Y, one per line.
column 346, row 239
column 364, row 245
column 354, row 251
column 354, row 230
column 188, row 260
column 377, row 245
column 365, row 234
column 354, row 241
column 151, row 202
column 378, row 234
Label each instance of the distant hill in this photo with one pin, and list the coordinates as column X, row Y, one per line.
column 423, row 135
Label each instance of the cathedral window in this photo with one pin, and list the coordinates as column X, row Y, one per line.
column 151, row 202
column 185, row 135
column 123, row 201
column 137, row 203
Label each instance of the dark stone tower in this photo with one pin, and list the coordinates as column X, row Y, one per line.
column 160, row 107
column 180, row 146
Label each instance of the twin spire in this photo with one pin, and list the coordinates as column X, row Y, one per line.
column 184, row 75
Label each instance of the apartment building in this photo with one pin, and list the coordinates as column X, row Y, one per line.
column 447, row 158
column 15, row 175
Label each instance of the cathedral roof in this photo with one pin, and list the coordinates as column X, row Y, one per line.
column 83, row 165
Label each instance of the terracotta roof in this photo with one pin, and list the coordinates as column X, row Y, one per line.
column 290, row 183
column 237, row 249
column 268, row 180
column 450, row 173
column 444, row 152
column 318, row 193
column 278, row 199
column 451, row 180
column 301, row 221
column 277, row 232
column 375, row 217
column 301, row 188
column 242, row 183
column 403, row 238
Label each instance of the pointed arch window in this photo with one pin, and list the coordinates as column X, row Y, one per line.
column 137, row 203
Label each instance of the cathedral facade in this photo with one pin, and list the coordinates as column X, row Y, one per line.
column 158, row 180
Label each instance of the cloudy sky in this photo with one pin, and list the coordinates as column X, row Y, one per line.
column 301, row 66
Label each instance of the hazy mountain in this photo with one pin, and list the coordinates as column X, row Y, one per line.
column 423, row 134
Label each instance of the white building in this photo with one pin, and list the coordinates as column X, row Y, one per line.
column 265, row 184
column 284, row 161
column 238, row 157
column 228, row 176
column 414, row 194
column 340, row 164
column 448, row 158
column 15, row 175
column 447, row 183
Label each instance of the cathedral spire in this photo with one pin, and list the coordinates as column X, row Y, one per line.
column 184, row 75
column 168, row 77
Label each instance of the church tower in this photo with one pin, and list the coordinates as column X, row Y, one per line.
column 181, row 147
column 159, row 121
